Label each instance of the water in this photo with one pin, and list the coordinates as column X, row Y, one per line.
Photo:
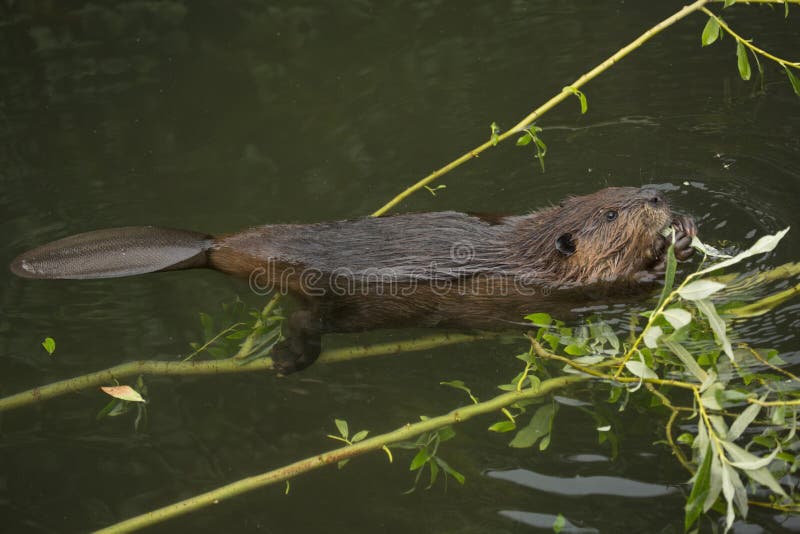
column 214, row 117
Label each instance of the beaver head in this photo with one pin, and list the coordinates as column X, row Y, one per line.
column 604, row 236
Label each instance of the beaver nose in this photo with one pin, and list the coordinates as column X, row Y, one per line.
column 653, row 197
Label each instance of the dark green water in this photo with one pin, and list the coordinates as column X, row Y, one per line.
column 216, row 116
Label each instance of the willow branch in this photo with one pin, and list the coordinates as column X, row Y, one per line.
column 213, row 367
column 547, row 106
column 748, row 44
column 334, row 456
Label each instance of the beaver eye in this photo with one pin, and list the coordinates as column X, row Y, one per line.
column 611, row 215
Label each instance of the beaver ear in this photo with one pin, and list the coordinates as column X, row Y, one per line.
column 565, row 245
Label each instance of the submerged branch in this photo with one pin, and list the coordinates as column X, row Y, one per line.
column 212, row 367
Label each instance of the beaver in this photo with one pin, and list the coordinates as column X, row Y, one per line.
column 427, row 269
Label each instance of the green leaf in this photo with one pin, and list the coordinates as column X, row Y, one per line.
column 640, row 369
column 581, row 97
column 342, row 426
column 677, row 317
column 458, row 384
column 710, row 32
column 207, row 322
column 700, row 289
column 764, row 244
column 559, row 523
column 669, row 275
column 687, row 359
column 709, row 396
column 540, row 425
column 449, row 470
column 434, row 467
column 744, row 419
column 495, row 133
column 694, row 504
column 715, row 484
column 49, row 345
column 743, row 61
column 540, row 319
column 651, row 336
column 792, row 78
column 359, row 436
column 728, row 3
column 420, row 459
column 525, row 139
column 717, row 325
column 446, row 433
column 575, row 350
column 503, row 426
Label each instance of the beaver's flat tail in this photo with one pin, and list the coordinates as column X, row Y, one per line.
column 115, row 252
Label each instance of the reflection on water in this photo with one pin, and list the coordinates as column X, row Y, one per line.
column 216, row 116
column 582, row 486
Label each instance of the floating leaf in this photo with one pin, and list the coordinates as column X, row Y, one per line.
column 742, row 61
column 710, row 32
column 700, row 289
column 49, row 345
column 125, row 393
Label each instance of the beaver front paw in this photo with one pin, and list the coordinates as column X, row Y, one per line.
column 295, row 354
column 685, row 230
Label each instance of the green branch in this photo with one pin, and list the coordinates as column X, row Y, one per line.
column 212, row 367
column 375, row 443
column 547, row 106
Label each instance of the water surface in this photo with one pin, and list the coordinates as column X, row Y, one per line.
column 216, row 116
